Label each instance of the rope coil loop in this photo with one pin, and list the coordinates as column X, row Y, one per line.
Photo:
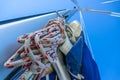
column 39, row 48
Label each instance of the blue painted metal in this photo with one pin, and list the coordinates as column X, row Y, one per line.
column 10, row 9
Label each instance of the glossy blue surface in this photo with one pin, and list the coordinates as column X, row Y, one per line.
column 103, row 30
column 104, row 34
column 10, row 9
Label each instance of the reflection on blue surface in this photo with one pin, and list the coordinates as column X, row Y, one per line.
column 10, row 9
column 103, row 30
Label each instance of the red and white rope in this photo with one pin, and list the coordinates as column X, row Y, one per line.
column 39, row 48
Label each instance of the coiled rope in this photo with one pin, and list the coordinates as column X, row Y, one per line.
column 39, row 48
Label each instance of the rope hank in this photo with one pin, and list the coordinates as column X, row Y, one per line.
column 39, row 48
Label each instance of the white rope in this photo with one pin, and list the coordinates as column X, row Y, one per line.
column 39, row 48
